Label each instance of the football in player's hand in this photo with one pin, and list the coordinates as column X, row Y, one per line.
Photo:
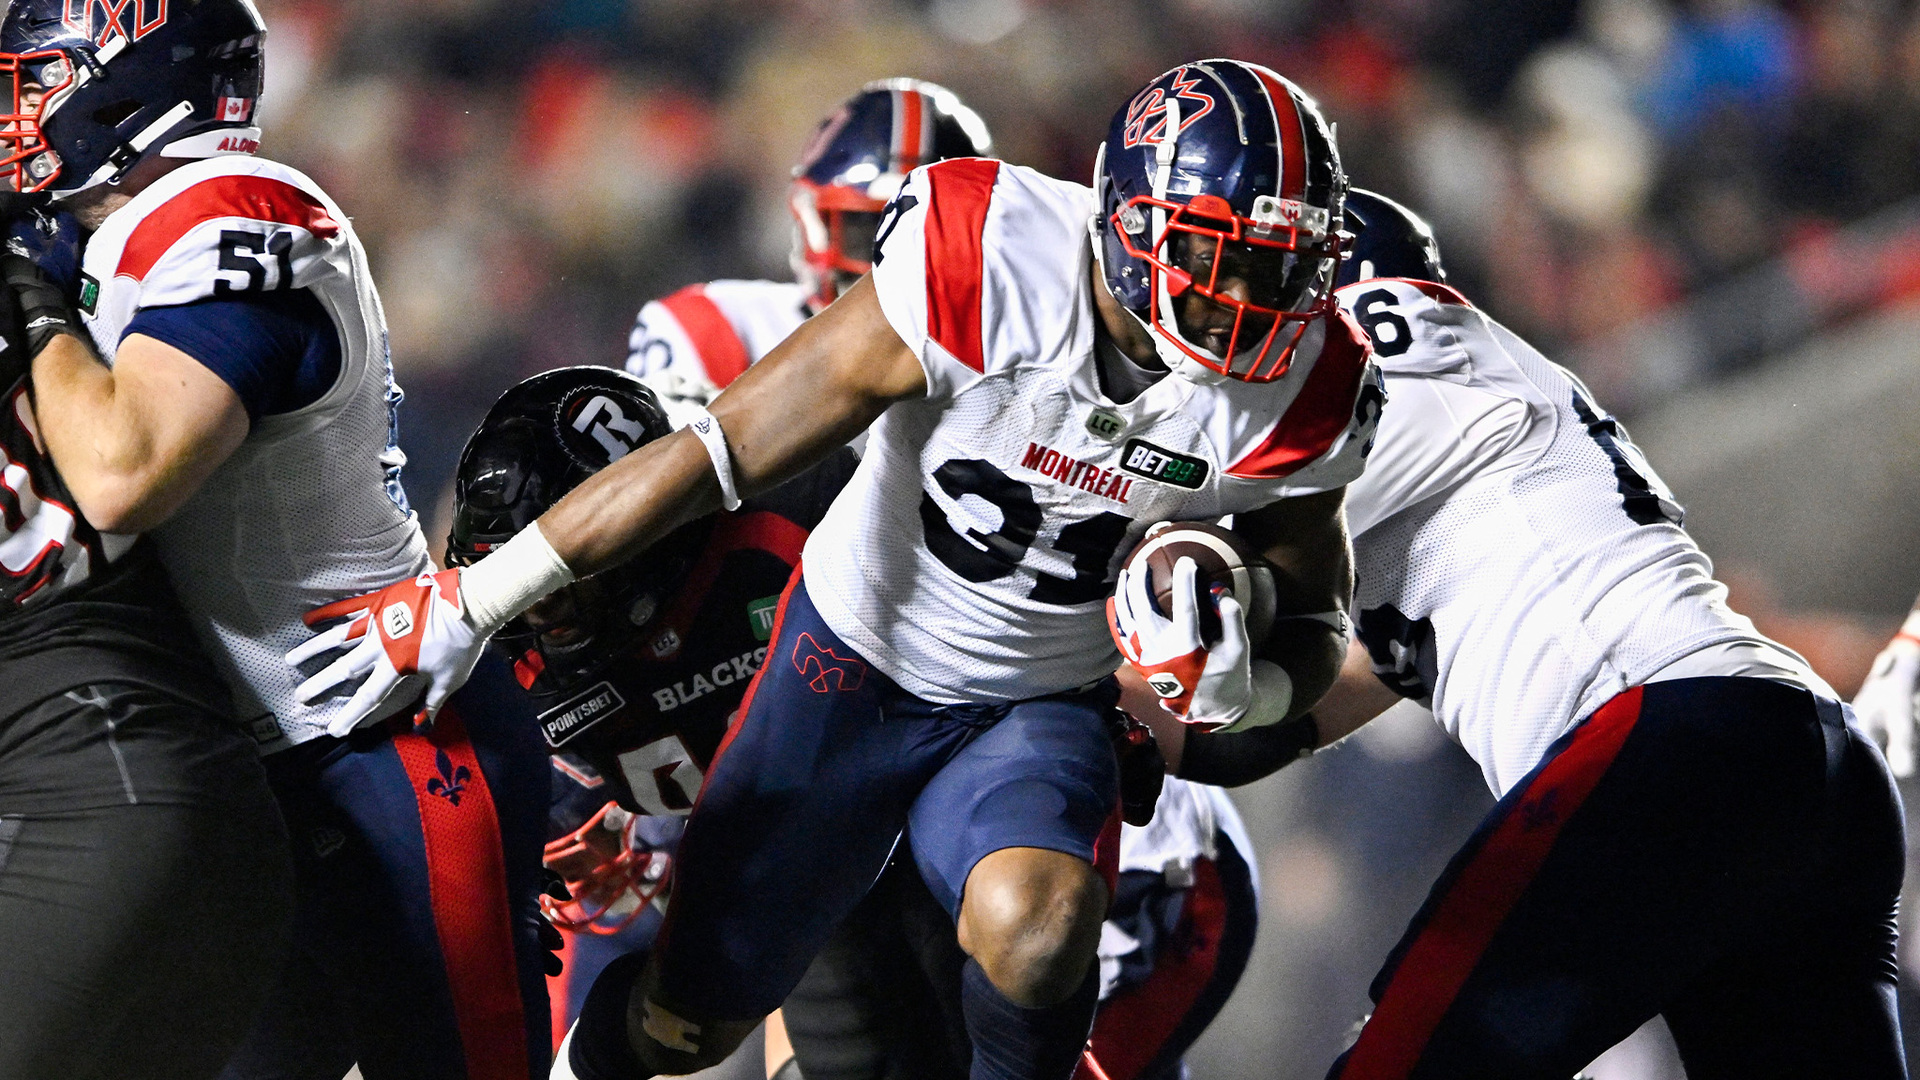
column 1228, row 566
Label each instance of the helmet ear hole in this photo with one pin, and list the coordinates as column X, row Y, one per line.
column 117, row 113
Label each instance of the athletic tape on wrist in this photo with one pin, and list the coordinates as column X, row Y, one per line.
column 707, row 427
column 511, row 578
column 1910, row 629
column 1272, row 697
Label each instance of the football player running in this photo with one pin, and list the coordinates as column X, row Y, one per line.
column 1688, row 823
column 244, row 417
column 1159, row 990
column 1051, row 369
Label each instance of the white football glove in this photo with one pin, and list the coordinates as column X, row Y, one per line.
column 1209, row 687
column 1885, row 703
column 423, row 637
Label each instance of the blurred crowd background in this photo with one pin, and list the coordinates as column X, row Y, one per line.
column 1668, row 195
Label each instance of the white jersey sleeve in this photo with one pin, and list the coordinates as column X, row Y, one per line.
column 691, row 344
column 950, row 277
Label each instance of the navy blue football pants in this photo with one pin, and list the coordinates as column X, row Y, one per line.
column 416, row 945
column 1724, row 852
column 829, row 761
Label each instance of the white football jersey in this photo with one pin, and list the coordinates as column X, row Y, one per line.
column 309, row 509
column 1189, row 822
column 971, row 556
column 1518, row 561
column 692, row 343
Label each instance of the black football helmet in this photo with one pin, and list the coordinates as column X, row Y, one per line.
column 1389, row 240
column 856, row 162
column 100, row 86
column 538, row 442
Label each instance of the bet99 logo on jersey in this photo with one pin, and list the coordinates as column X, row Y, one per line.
column 102, row 20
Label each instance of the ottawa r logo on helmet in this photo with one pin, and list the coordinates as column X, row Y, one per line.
column 1219, row 223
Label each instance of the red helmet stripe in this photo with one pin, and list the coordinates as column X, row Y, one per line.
column 256, row 198
column 1293, row 136
column 1319, row 414
column 908, row 125
column 956, row 221
column 722, row 353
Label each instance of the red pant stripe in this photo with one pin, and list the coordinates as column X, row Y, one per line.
column 1135, row 1023
column 1440, row 960
column 467, row 878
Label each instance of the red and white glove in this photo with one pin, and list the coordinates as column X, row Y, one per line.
column 1210, row 687
column 1886, row 701
column 422, row 639
column 428, row 631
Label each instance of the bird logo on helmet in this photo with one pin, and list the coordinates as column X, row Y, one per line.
column 1219, row 224
column 856, row 162
column 99, row 87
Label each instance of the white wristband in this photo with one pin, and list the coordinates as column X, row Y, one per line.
column 508, row 581
column 1272, row 697
column 707, row 427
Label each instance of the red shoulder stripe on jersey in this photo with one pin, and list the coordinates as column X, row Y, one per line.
column 1482, row 894
column 1321, row 412
column 956, row 222
column 1293, row 138
column 907, row 128
column 722, row 353
column 467, row 885
column 260, row 198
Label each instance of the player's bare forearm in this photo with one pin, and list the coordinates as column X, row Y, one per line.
column 135, row 441
column 1306, row 539
column 822, row 386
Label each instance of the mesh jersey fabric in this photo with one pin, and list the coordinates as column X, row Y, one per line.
column 1534, row 566
column 309, row 509
column 972, row 554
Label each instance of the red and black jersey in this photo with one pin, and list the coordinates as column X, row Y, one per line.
column 650, row 725
column 76, row 607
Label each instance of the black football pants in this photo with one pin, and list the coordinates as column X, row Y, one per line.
column 1725, row 852
column 145, row 888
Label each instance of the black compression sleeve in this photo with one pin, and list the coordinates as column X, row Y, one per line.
column 1230, row 759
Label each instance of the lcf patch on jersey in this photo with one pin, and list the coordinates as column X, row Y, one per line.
column 969, row 559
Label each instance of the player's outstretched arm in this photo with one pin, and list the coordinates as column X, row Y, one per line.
column 1886, row 701
column 819, row 388
column 132, row 441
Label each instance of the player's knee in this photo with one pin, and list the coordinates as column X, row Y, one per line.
column 1031, row 919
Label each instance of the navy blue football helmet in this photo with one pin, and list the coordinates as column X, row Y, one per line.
column 538, row 442
column 1221, row 177
column 100, row 86
column 1389, row 240
column 856, row 162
